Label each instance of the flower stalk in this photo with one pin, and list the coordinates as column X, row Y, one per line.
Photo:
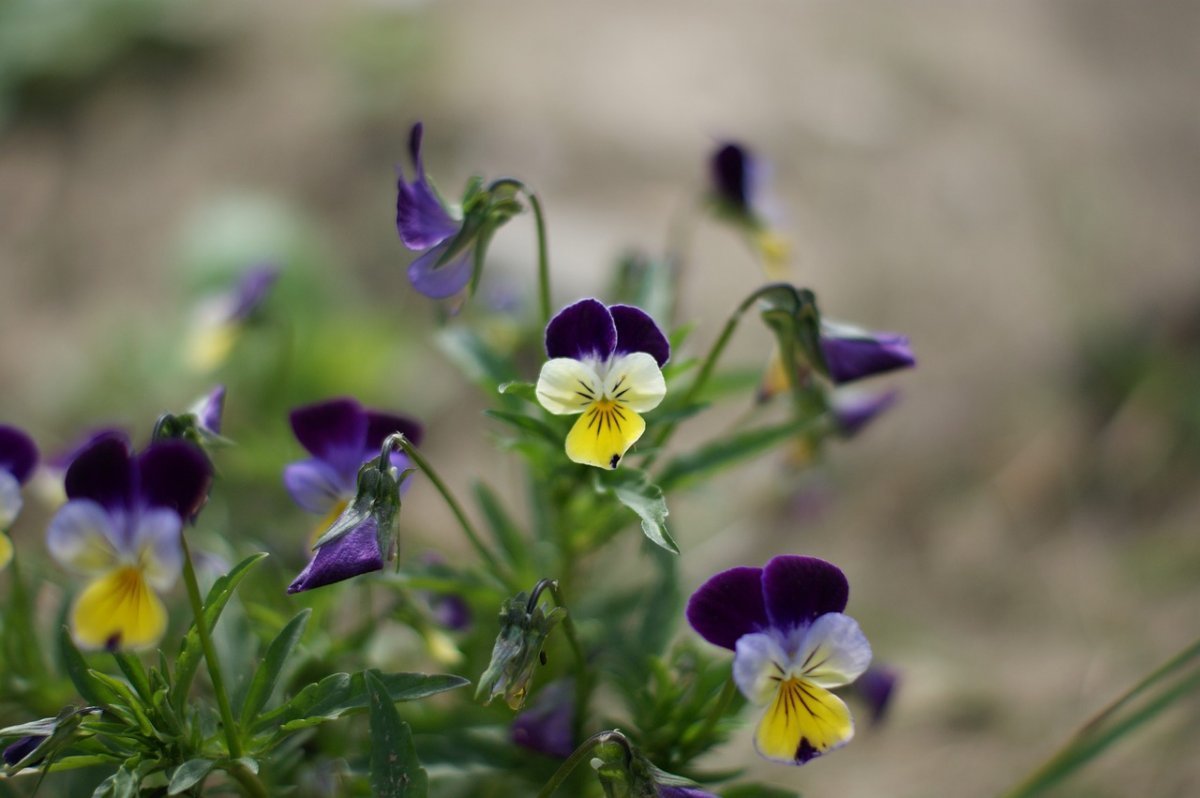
column 539, row 219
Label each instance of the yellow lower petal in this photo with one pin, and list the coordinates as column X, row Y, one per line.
column 802, row 722
column 210, row 346
column 6, row 551
column 776, row 251
column 603, row 434
column 323, row 525
column 118, row 609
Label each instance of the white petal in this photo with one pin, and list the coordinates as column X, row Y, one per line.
column 10, row 499
column 567, row 386
column 759, row 665
column 81, row 538
column 156, row 540
column 636, row 381
column 834, row 651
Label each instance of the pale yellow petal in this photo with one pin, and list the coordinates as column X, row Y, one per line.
column 635, row 381
column 802, row 722
column 118, row 609
column 603, row 434
column 6, row 551
column 567, row 386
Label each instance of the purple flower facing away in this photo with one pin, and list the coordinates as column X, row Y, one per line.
column 877, row 687
column 341, row 436
column 734, row 174
column 852, row 353
column 791, row 645
column 252, row 291
column 854, row 410
column 605, row 366
column 18, row 456
column 22, row 748
column 209, row 411
column 427, row 227
column 683, row 792
column 546, row 727
column 121, row 530
column 219, row 320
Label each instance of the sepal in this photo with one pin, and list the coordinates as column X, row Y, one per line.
column 524, row 627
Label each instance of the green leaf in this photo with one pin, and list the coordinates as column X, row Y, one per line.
column 122, row 784
column 341, row 693
column 267, row 674
column 90, row 688
column 504, row 529
column 132, row 667
column 757, row 791
column 395, row 770
column 189, row 774
column 723, row 453
column 634, row 489
column 190, row 652
column 528, row 424
column 521, row 390
column 474, row 357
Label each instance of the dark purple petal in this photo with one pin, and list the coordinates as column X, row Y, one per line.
column 316, row 486
column 853, row 412
column 877, row 686
column 440, row 282
column 421, row 219
column 728, row 605
column 252, row 290
column 637, row 332
column 175, row 475
column 451, row 612
column 381, row 424
column 334, row 431
column 854, row 357
column 546, row 726
column 22, row 748
column 356, row 552
column 104, row 473
column 731, row 170
column 585, row 329
column 62, row 459
column 800, row 589
column 18, row 453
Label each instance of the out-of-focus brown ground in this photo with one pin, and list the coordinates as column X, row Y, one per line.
column 994, row 179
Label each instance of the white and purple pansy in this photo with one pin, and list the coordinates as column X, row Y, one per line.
column 791, row 645
column 852, row 353
column 427, row 227
column 605, row 366
column 121, row 529
column 18, row 456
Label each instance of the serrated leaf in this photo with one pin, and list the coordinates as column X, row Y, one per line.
column 634, row 489
column 395, row 770
column 266, row 675
column 342, row 693
column 188, row 775
column 190, row 652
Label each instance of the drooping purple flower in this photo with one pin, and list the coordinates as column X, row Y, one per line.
column 605, row 366
column 854, row 410
column 355, row 553
column 852, row 353
column 22, row 748
column 877, row 687
column 427, row 227
column 121, row 528
column 792, row 645
column 546, row 726
column 734, row 176
column 683, row 792
column 341, row 435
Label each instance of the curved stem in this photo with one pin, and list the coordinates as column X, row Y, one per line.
column 543, row 248
column 710, row 362
column 580, row 754
column 210, row 655
column 399, row 441
column 583, row 682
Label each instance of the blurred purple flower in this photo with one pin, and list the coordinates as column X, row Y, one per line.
column 18, row 456
column 853, row 353
column 735, row 175
column 22, row 748
column 877, row 687
column 854, row 410
column 546, row 727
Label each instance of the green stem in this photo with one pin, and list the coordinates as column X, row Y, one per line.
column 399, row 441
column 580, row 755
column 1171, row 665
column 539, row 219
column 583, row 681
column 244, row 777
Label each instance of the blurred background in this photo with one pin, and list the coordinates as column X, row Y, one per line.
column 1015, row 185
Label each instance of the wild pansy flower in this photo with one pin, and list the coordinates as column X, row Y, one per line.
column 18, row 456
column 426, row 226
column 736, row 180
column 121, row 528
column 358, row 501
column 219, row 320
column 605, row 366
column 791, row 645
column 852, row 353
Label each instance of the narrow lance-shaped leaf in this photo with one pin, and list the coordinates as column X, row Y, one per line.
column 188, row 775
column 266, row 676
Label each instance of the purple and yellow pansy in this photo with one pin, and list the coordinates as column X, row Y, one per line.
column 18, row 456
column 606, row 367
column 791, row 645
column 121, row 529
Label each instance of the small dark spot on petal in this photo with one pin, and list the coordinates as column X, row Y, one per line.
column 113, row 643
column 616, row 458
